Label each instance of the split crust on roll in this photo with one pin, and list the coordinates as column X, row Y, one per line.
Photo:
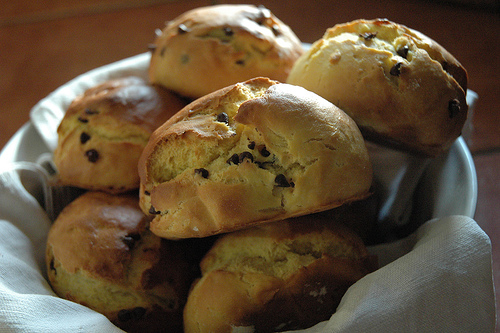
column 250, row 153
column 281, row 276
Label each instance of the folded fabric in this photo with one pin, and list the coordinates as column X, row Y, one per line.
column 438, row 279
column 27, row 303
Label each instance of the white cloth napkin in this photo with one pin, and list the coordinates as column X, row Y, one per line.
column 438, row 279
column 27, row 303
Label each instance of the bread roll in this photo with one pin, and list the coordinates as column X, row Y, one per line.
column 105, row 130
column 209, row 48
column 281, row 276
column 250, row 153
column 101, row 255
column 402, row 88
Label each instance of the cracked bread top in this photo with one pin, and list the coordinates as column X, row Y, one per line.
column 250, row 153
column 281, row 248
column 280, row 276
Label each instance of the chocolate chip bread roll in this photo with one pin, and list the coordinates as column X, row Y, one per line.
column 209, row 48
column 281, row 276
column 402, row 88
column 105, row 130
column 101, row 254
column 250, row 153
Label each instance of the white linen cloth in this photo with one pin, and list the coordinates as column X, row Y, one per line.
column 438, row 279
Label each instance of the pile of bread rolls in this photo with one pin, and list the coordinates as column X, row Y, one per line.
column 232, row 189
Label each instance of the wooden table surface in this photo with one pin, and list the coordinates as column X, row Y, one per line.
column 43, row 44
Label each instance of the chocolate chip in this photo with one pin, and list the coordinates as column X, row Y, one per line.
column 263, row 165
column 203, row 172
column 131, row 239
column 52, row 266
column 131, row 314
column 223, row 118
column 84, row 137
column 281, row 181
column 454, row 107
column 396, row 69
column 245, row 155
column 233, row 159
column 147, row 193
column 153, row 211
column 403, row 51
column 240, row 62
column 368, row 35
column 83, row 120
column 228, row 31
column 92, row 155
column 251, row 145
column 182, row 29
column 184, row 59
column 90, row 111
column 263, row 151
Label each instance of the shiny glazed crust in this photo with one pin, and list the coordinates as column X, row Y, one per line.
column 280, row 276
column 105, row 130
column 402, row 88
column 209, row 48
column 250, row 153
column 101, row 255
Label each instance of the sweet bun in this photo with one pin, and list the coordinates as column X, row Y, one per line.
column 280, row 276
column 105, row 130
column 402, row 88
column 250, row 153
column 101, row 255
column 209, row 48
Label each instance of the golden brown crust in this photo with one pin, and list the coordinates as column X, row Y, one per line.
column 281, row 276
column 280, row 151
column 402, row 88
column 85, row 222
column 208, row 48
column 105, row 130
column 100, row 254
